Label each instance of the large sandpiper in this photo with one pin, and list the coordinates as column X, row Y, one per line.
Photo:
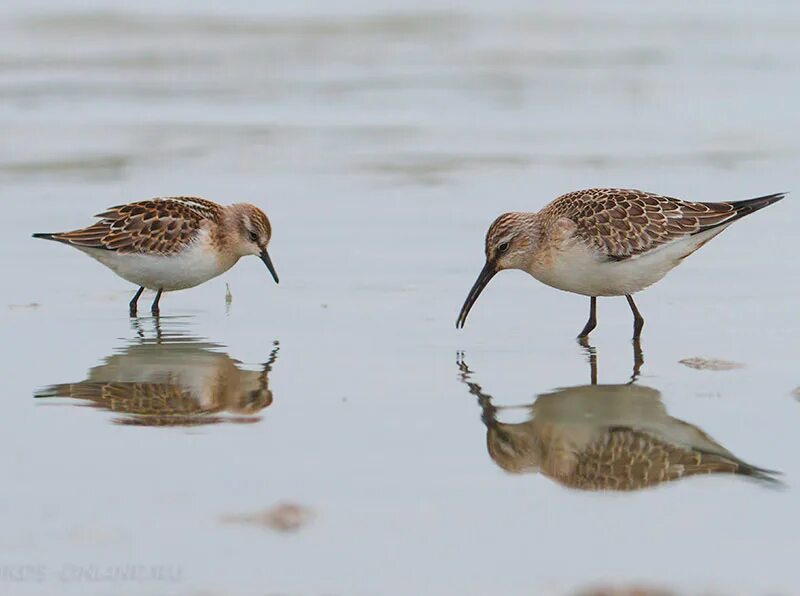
column 605, row 242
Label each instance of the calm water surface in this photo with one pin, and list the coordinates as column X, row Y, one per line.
column 382, row 141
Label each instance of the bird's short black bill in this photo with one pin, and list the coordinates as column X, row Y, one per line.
column 268, row 263
column 486, row 274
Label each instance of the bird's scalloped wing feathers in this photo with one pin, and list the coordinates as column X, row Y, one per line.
column 628, row 459
column 175, row 205
column 621, row 224
column 158, row 226
column 135, row 398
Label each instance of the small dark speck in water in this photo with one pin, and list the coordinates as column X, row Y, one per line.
column 29, row 305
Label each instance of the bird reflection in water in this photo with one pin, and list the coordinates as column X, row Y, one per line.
column 604, row 437
column 172, row 379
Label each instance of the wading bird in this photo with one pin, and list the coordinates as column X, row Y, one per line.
column 605, row 242
column 172, row 243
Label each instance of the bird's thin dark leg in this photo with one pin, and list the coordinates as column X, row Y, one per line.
column 638, row 359
column 133, row 304
column 591, row 358
column 592, row 322
column 137, row 326
column 154, row 309
column 638, row 320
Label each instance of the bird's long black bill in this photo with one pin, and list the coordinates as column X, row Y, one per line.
column 268, row 263
column 486, row 274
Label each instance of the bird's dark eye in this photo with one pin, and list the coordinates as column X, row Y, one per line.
column 253, row 237
column 503, row 247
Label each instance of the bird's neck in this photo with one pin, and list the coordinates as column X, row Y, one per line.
column 230, row 229
column 531, row 228
column 232, row 220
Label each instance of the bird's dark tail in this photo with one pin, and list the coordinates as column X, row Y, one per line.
column 46, row 236
column 761, row 474
column 749, row 206
column 724, row 214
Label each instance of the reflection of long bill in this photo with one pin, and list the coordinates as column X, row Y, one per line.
column 486, row 274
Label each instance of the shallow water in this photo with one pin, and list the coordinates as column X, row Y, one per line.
column 382, row 142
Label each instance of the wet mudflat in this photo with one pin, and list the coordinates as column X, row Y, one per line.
column 335, row 434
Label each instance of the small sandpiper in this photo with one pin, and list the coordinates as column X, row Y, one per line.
column 605, row 242
column 172, row 243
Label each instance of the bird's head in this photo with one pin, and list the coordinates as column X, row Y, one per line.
column 253, row 233
column 253, row 393
column 514, row 447
column 508, row 246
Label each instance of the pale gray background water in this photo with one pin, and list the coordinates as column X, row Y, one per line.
column 382, row 139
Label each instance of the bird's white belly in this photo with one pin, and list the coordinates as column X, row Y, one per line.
column 579, row 270
column 191, row 267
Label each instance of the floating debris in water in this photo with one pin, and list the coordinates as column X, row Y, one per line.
column 710, row 364
column 29, row 305
column 228, row 295
column 284, row 517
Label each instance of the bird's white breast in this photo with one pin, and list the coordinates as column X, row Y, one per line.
column 196, row 264
column 574, row 267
